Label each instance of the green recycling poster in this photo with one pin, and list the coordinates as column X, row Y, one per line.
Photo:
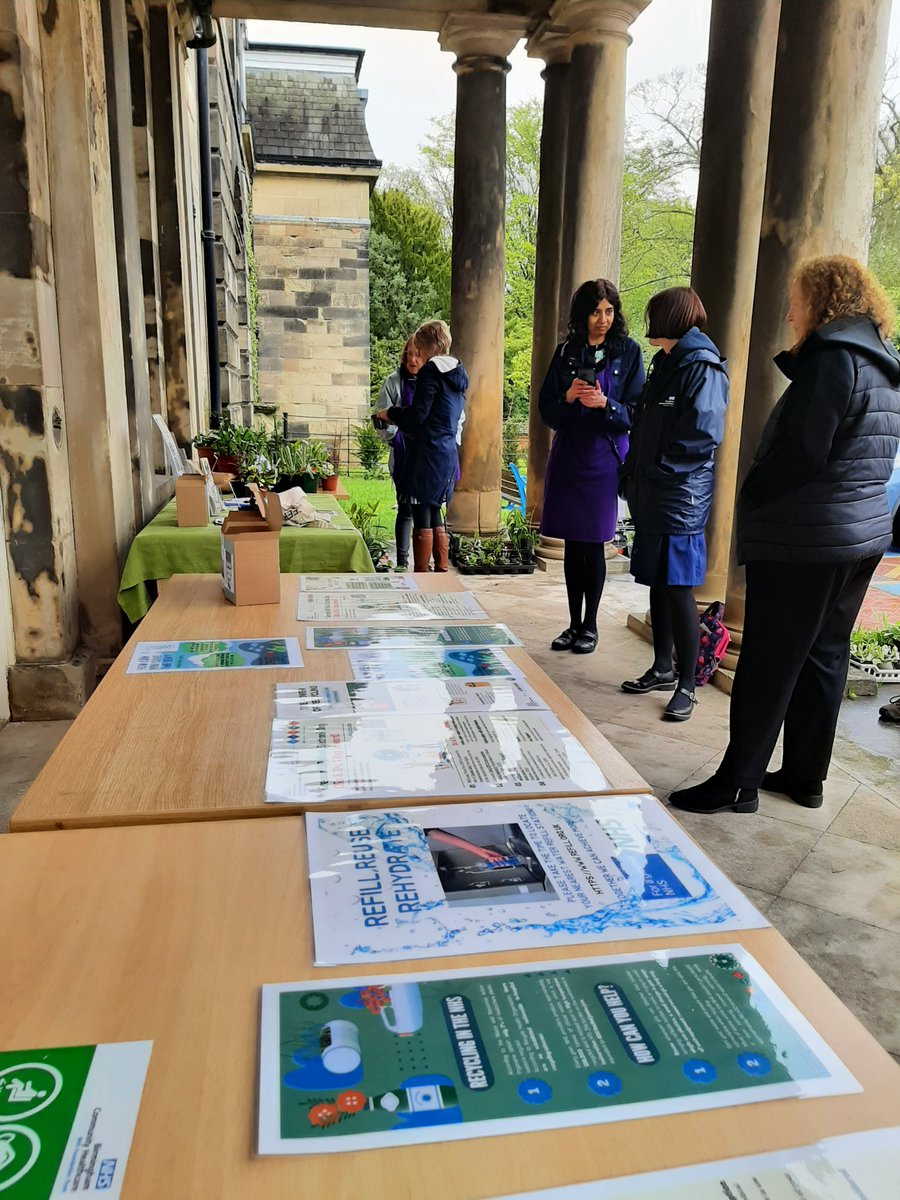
column 66, row 1119
column 355, row 1064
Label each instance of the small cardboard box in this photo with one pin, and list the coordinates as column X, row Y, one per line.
column 250, row 568
column 191, row 504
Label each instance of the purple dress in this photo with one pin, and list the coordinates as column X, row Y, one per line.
column 580, row 489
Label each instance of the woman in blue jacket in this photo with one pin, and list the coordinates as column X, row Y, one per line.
column 587, row 398
column 668, row 483
column 429, row 427
column 812, row 524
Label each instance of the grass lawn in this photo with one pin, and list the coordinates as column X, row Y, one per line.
column 365, row 491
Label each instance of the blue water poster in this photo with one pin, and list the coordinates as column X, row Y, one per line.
column 152, row 658
column 514, row 875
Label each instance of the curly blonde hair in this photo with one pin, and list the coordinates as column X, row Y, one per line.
column 838, row 286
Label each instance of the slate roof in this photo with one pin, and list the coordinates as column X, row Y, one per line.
column 308, row 117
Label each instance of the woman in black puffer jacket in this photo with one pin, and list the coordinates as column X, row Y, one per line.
column 667, row 480
column 812, row 525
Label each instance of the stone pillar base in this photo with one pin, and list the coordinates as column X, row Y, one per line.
column 52, row 691
column 474, row 512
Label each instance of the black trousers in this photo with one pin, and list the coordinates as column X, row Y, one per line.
column 792, row 667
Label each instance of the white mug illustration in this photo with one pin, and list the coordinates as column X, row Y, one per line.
column 403, row 1012
column 339, row 1047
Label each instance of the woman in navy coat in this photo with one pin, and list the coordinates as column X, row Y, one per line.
column 430, row 427
column 587, row 398
column 668, row 483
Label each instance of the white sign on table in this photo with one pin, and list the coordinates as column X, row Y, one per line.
column 302, row 701
column 393, row 606
column 510, row 875
column 358, row 583
column 472, row 662
column 853, row 1166
column 347, row 637
column 455, row 754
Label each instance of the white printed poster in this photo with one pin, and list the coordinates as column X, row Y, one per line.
column 416, row 662
column 393, row 606
column 67, row 1117
column 301, row 701
column 393, row 1060
column 440, row 754
column 358, row 583
column 509, row 875
column 428, row 633
column 154, row 658
column 853, row 1166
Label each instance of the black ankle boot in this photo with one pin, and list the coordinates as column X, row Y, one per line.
column 715, row 795
column 807, row 795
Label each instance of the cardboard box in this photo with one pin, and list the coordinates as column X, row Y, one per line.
column 250, row 567
column 191, row 505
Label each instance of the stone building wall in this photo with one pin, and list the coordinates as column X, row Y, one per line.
column 311, row 236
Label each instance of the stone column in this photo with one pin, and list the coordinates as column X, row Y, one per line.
column 481, row 45
column 551, row 45
column 90, row 326
column 48, row 677
column 595, row 155
column 742, row 38
column 818, row 195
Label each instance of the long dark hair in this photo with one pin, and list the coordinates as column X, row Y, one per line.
column 585, row 300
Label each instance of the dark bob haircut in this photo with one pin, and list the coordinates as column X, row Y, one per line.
column 586, row 300
column 671, row 313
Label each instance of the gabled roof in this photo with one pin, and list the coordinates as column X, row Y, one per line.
column 305, row 108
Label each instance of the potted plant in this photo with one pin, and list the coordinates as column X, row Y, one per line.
column 255, row 466
column 328, row 476
column 365, row 519
column 521, row 537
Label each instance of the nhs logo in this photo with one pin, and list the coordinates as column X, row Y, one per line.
column 105, row 1174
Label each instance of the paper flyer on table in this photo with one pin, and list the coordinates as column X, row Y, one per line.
column 67, row 1116
column 347, row 637
column 509, row 875
column 301, row 701
column 439, row 754
column 358, row 583
column 152, row 658
column 853, row 1166
column 414, row 662
column 393, row 606
column 356, row 1064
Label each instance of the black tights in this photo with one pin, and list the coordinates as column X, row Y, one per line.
column 427, row 516
column 585, row 571
column 673, row 614
column 403, row 531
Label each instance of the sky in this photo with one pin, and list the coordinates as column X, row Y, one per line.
column 410, row 79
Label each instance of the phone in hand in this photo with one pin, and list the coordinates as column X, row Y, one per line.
column 378, row 422
column 587, row 375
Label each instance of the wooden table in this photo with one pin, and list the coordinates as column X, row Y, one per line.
column 195, row 747
column 167, row 932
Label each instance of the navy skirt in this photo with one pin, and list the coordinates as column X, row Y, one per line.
column 669, row 560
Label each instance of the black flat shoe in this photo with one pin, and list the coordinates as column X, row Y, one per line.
column 651, row 681
column 801, row 793
column 714, row 796
column 585, row 643
column 566, row 639
column 681, row 706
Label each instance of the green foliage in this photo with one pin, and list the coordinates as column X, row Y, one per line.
column 879, row 647
column 379, row 492
column 370, row 449
column 365, row 518
column 513, row 430
column 884, row 248
column 306, row 456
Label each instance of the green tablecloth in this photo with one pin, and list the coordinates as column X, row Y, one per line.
column 161, row 550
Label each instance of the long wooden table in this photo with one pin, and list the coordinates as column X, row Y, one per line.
column 166, row 932
column 181, row 747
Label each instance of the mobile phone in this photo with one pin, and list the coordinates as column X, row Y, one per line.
column 378, row 423
column 587, row 375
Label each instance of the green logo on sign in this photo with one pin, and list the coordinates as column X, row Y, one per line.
column 26, row 1088
column 19, row 1150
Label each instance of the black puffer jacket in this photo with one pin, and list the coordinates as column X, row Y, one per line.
column 668, row 474
column 816, row 490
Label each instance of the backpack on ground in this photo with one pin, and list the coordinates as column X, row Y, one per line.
column 714, row 641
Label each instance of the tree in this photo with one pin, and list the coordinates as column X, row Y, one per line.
column 884, row 247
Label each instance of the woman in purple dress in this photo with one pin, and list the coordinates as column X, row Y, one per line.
column 588, row 398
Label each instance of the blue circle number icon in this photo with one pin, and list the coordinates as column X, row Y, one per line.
column 534, row 1091
column 698, row 1070
column 754, row 1064
column 604, row 1083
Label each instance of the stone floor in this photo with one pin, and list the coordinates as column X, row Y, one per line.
column 828, row 879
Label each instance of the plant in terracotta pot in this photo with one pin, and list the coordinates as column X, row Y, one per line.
column 223, row 447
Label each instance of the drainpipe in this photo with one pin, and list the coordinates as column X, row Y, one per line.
column 200, row 43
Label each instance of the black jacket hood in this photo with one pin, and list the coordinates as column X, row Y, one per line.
column 856, row 334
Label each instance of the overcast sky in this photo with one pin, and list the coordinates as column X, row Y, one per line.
column 410, row 80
